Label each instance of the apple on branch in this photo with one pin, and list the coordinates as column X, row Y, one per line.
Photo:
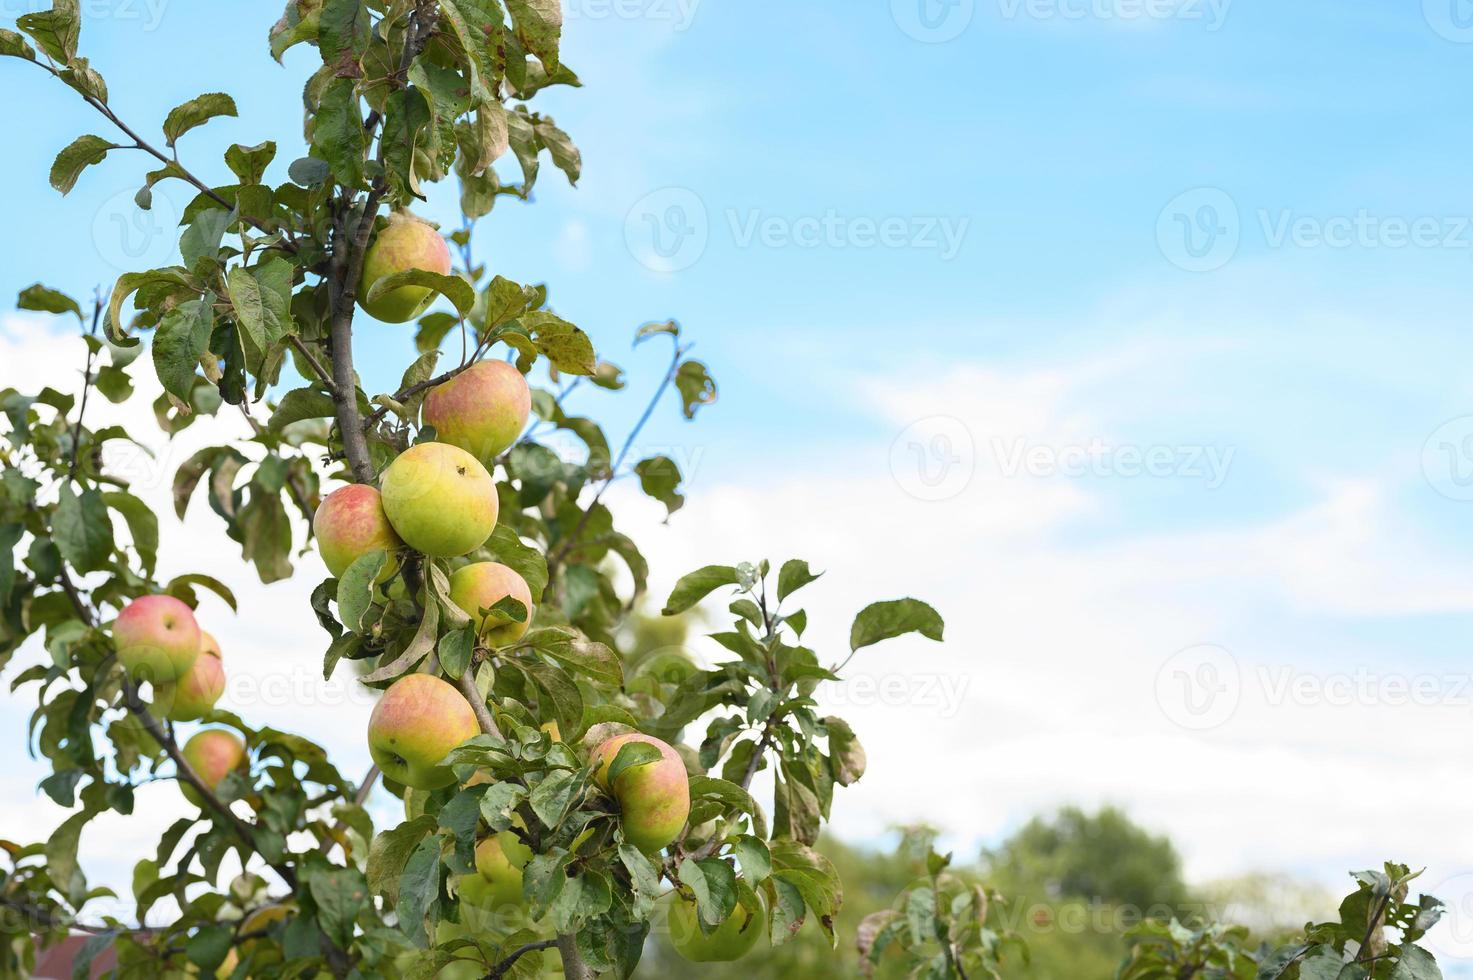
column 440, row 500
column 653, row 798
column 416, row 723
column 212, row 754
column 406, row 242
column 482, row 410
column 349, row 523
column 478, row 587
column 192, row 696
column 157, row 638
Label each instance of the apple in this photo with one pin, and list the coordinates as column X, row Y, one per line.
column 194, row 694
column 654, row 799
column 440, row 499
column 500, row 859
column 731, row 940
column 406, row 242
column 212, row 754
column 157, row 638
column 481, row 585
column 349, row 523
column 416, row 723
column 483, row 409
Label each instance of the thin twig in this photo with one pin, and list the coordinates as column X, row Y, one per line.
column 500, row 969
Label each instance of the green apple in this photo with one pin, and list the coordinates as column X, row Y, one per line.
column 192, row 696
column 157, row 638
column 419, row 719
column 483, row 409
column 405, row 242
column 481, row 585
column 349, row 523
column 731, row 940
column 212, row 754
column 500, row 859
column 440, row 499
column 654, row 798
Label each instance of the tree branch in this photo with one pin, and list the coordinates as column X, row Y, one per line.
column 500, row 969
column 573, row 966
column 177, row 168
column 467, row 684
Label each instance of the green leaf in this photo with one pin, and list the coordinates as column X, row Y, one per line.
column 643, row 876
column 1415, row 963
column 82, row 529
column 506, row 546
column 419, row 647
column 196, row 112
column 143, row 526
column 15, row 46
column 565, row 155
column 127, row 283
column 754, row 857
column 299, row 404
column 455, row 649
column 206, row 949
column 55, row 31
column 343, row 34
column 406, row 114
column 181, row 586
column 390, row 851
column 46, row 300
column 81, row 76
column 181, row 340
column 846, row 755
column 631, row 755
column 262, row 298
column 562, row 343
column 695, row 386
column 337, row 132
column 578, row 654
column 201, row 240
column 552, row 797
column 539, row 26
column 793, row 576
column 715, row 886
column 61, row 849
column 78, row 155
column 249, row 163
column 659, row 477
column 896, row 617
column 813, row 876
column 695, row 586
column 419, row 890
column 355, row 588
column 453, row 288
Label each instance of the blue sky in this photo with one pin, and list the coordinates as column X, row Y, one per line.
column 1298, row 333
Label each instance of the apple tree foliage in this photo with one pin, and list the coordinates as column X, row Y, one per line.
column 257, row 318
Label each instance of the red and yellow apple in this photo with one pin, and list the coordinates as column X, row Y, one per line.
column 212, row 754
column 405, row 242
column 416, row 723
column 349, row 523
column 194, row 694
column 479, row 586
column 440, row 499
column 157, row 638
column 731, row 940
column 653, row 798
column 483, row 409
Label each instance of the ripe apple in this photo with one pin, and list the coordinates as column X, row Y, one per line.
column 481, row 585
column 500, row 859
column 731, row 940
column 419, row 719
column 654, row 798
column 157, row 638
column 212, row 754
column 194, row 694
column 483, row 409
column 406, row 242
column 440, row 499
column 349, row 523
